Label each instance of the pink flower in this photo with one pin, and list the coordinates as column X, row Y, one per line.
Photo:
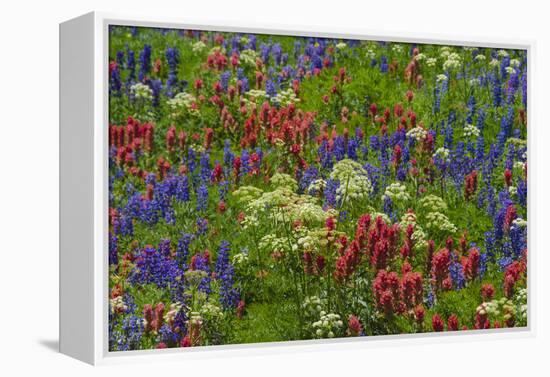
column 487, row 292
column 437, row 323
column 186, row 341
column 354, row 326
column 452, row 323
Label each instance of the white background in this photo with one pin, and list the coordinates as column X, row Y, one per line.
column 29, row 186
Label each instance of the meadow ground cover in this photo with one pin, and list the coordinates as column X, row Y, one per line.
column 274, row 188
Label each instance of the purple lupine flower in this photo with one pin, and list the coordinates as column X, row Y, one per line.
column 128, row 337
column 383, row 64
column 457, row 274
column 229, row 296
column 277, row 53
column 245, row 162
column 164, row 248
column 156, row 88
column 330, row 192
column 131, row 66
column 270, row 89
column 496, row 89
column 325, row 156
column 522, row 192
column 339, row 149
column 113, row 249
column 182, row 250
column 223, row 189
column 206, row 170
column 202, row 198
column 168, row 336
column 120, row 58
column 115, row 83
column 172, row 57
column 191, row 160
column 152, row 267
column 265, row 50
column 310, row 174
column 202, row 226
column 388, row 208
column 374, row 177
column 200, row 262
column 182, row 189
column 145, row 62
column 518, row 240
column 353, row 143
column 224, row 80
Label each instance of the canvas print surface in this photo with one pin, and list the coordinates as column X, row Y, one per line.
column 274, row 188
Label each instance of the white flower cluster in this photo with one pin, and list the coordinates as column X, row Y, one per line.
column 444, row 51
column 272, row 243
column 280, row 197
column 519, row 165
column 328, row 325
column 341, row 45
column 195, row 318
column 255, row 96
column 244, row 41
column 317, row 186
column 520, row 300
column 313, row 306
column 502, row 53
column 195, row 277
column 248, row 58
column 313, row 239
column 173, row 310
column 371, row 54
column 480, row 58
column 182, row 102
column 246, row 194
column 510, row 70
column 515, row 63
column 518, row 143
column 283, row 180
column 418, row 133
column 397, row 48
column 495, row 307
column 397, row 192
column 310, row 212
column 285, row 97
column 471, row 131
column 442, row 153
column 431, row 62
column 433, row 203
column 117, row 304
column 453, row 62
column 519, row 222
column 240, row 259
column 419, row 57
column 440, row 222
column 418, row 236
column 354, row 183
column 494, row 63
column 142, row 91
column 441, row 78
column 211, row 312
column 198, row 46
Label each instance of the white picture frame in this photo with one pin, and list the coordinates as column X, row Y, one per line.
column 84, row 190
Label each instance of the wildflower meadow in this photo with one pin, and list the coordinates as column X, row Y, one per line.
column 274, row 188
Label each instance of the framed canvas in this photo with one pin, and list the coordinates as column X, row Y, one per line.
column 232, row 188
